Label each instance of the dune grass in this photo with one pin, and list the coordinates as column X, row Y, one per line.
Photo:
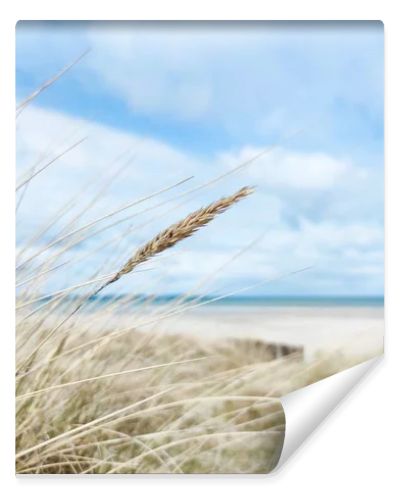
column 89, row 402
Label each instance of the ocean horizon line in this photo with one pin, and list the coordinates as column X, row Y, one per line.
column 135, row 300
column 242, row 300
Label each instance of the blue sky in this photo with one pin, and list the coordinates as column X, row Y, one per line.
column 193, row 99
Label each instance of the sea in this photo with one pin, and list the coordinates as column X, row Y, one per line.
column 256, row 301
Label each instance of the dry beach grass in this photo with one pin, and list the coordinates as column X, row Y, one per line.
column 191, row 407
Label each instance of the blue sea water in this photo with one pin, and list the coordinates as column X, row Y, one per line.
column 127, row 302
column 260, row 301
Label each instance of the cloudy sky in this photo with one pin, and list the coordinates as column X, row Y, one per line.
column 159, row 103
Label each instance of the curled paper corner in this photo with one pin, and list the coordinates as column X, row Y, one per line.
column 306, row 408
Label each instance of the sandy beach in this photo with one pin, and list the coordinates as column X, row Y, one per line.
column 357, row 330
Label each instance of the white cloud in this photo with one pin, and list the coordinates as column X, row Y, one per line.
column 282, row 169
column 346, row 249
